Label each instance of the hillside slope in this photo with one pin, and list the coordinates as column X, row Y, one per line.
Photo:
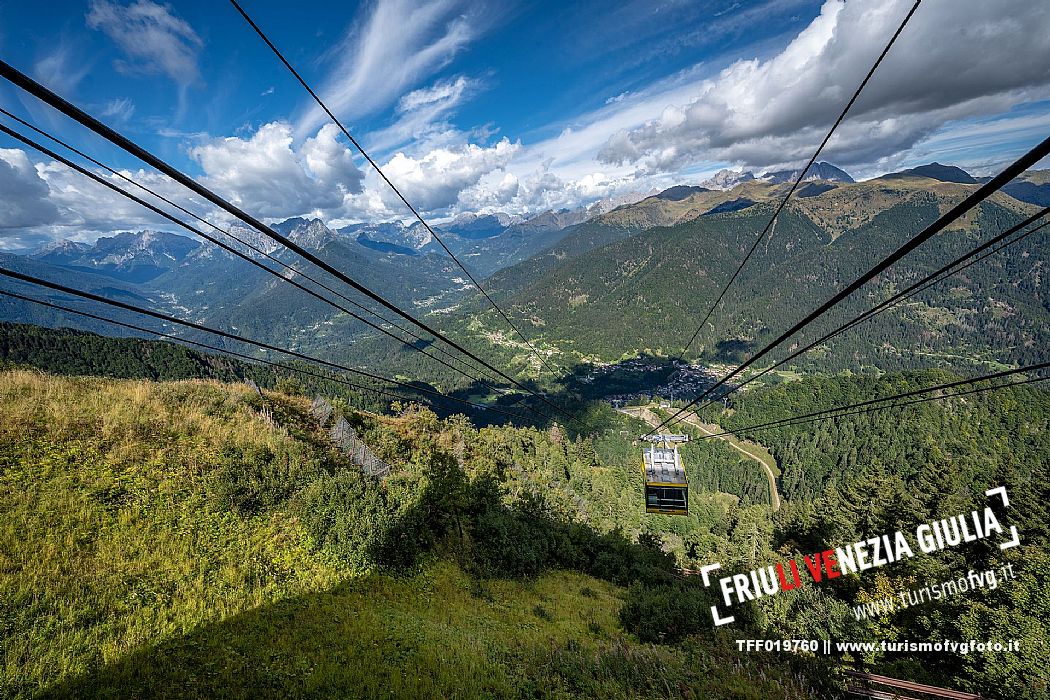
column 189, row 539
column 195, row 539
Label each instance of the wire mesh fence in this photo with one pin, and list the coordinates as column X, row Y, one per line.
column 346, row 439
column 321, row 410
column 255, row 387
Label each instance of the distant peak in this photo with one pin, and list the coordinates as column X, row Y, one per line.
column 680, row 192
column 817, row 171
column 726, row 179
column 62, row 246
column 935, row 171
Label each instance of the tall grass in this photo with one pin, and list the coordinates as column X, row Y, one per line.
column 107, row 540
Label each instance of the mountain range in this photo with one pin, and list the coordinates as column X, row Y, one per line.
column 619, row 277
column 132, row 257
column 640, row 279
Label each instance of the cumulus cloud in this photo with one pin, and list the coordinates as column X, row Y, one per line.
column 267, row 176
column 541, row 190
column 401, row 43
column 434, row 181
column 87, row 209
column 26, row 202
column 955, row 60
column 151, row 36
column 47, row 201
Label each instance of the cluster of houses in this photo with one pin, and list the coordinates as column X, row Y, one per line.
column 686, row 381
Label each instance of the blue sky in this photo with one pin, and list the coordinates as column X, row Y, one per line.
column 502, row 106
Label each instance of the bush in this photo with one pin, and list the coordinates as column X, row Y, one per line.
column 343, row 516
column 253, row 479
column 542, row 612
column 666, row 613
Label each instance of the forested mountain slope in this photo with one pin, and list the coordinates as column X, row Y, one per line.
column 861, row 475
column 647, row 291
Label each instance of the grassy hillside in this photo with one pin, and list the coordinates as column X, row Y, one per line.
column 73, row 352
column 193, row 539
column 189, row 540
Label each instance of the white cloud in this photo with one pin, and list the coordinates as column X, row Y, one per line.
column 542, row 190
column 60, row 70
column 401, row 43
column 87, row 208
column 121, row 109
column 265, row 175
column 446, row 92
column 26, row 202
column 152, row 37
column 954, row 60
column 422, row 121
column 49, row 201
column 434, row 181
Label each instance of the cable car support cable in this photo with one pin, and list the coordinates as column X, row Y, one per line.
column 1033, row 156
column 800, row 178
column 102, row 181
column 873, row 404
column 217, row 349
column 12, row 274
column 925, row 283
column 364, row 154
column 230, row 234
column 42, row 93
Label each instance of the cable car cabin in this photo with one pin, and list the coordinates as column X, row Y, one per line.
column 666, row 484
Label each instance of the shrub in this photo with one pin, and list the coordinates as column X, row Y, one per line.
column 542, row 613
column 666, row 613
column 344, row 517
column 252, row 479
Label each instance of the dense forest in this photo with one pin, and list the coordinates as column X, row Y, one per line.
column 862, row 475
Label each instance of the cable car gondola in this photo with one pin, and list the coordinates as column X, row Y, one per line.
column 666, row 484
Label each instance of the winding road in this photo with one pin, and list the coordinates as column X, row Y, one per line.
column 646, row 414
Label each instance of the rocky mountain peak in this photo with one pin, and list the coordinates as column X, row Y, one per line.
column 726, row 179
